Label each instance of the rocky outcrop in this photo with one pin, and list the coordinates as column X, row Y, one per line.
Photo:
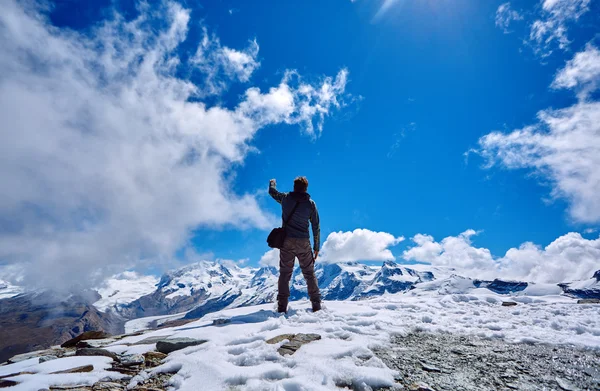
column 460, row 362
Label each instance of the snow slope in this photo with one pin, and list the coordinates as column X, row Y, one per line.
column 236, row 354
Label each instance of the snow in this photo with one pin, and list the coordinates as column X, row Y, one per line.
column 237, row 355
column 124, row 288
column 585, row 284
column 41, row 377
column 7, row 290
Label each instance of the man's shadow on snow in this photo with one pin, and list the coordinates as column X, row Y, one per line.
column 255, row 317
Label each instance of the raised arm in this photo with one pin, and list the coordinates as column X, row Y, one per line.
column 277, row 195
column 316, row 228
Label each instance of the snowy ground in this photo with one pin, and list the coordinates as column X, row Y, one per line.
column 237, row 356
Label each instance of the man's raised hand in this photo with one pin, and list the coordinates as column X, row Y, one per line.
column 273, row 182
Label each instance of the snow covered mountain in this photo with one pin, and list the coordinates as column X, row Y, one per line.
column 201, row 288
column 123, row 289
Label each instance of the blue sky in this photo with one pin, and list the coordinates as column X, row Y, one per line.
column 426, row 81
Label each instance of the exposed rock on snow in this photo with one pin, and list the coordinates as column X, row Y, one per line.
column 167, row 346
column 94, row 334
column 96, row 352
column 83, row 368
column 295, row 341
column 508, row 304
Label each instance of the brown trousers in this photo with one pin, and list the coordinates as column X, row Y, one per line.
column 292, row 248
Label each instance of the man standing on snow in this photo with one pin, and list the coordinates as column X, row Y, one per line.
column 297, row 241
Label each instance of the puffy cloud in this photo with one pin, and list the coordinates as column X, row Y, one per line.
column 564, row 146
column 551, row 28
column 109, row 158
column 570, row 257
column 505, row 16
column 455, row 251
column 581, row 73
column 270, row 258
column 359, row 245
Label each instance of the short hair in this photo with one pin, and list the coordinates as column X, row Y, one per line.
column 300, row 184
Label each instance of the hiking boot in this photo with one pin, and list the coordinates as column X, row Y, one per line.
column 316, row 306
column 282, row 308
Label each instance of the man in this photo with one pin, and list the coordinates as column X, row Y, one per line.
column 297, row 241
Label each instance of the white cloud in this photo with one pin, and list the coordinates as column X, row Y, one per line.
column 505, row 16
column 570, row 257
column 104, row 159
column 564, row 146
column 551, row 28
column 581, row 73
column 270, row 258
column 221, row 64
column 359, row 245
column 455, row 251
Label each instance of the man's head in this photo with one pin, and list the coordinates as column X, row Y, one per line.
column 300, row 184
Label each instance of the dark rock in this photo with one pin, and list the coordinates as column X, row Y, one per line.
column 167, row 346
column 108, row 386
column 97, row 352
column 130, row 371
column 16, row 374
column 588, row 301
column 221, row 321
column 508, row 304
column 132, row 360
column 153, row 359
column 7, row 383
column 83, row 336
column 83, row 344
column 84, row 368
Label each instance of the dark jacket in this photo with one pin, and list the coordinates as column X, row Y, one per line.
column 297, row 226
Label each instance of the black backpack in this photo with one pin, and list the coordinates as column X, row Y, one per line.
column 277, row 235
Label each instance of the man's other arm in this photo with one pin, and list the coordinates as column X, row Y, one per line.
column 277, row 195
